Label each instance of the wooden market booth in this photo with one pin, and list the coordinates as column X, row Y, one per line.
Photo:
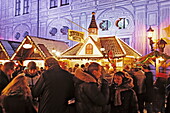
column 37, row 49
column 101, row 52
column 7, row 49
column 105, row 50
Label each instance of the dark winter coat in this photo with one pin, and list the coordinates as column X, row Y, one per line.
column 91, row 97
column 127, row 96
column 3, row 80
column 149, row 87
column 55, row 87
column 159, row 94
column 16, row 102
column 3, row 83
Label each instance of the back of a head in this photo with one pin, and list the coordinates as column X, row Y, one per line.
column 93, row 66
column 31, row 65
column 8, row 65
column 51, row 62
column 82, row 66
column 76, row 65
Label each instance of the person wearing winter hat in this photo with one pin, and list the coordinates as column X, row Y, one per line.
column 32, row 76
column 32, row 65
column 31, row 73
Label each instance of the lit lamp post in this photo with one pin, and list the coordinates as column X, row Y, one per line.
column 161, row 45
column 150, row 34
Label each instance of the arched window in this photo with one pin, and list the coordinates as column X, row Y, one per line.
column 89, row 49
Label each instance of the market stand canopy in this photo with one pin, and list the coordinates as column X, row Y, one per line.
column 7, row 49
column 40, row 48
column 118, row 47
column 150, row 58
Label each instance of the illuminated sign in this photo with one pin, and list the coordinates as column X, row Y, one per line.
column 76, row 36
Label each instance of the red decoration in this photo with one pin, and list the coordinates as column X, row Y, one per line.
column 110, row 54
column 162, row 75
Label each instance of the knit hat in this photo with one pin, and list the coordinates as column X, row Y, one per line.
column 31, row 65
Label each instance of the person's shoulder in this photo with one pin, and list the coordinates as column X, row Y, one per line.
column 91, row 83
column 1, row 73
column 22, row 74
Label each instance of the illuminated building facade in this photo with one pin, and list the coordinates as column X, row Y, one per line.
column 125, row 19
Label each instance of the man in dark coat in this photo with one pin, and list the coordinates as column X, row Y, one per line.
column 91, row 92
column 5, row 76
column 55, row 88
column 149, row 88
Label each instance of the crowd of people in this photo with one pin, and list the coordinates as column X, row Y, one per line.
column 84, row 88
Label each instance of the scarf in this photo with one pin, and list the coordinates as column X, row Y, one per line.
column 128, row 84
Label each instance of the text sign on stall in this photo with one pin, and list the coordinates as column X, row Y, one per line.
column 76, row 36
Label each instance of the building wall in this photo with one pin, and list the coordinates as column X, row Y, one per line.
column 40, row 20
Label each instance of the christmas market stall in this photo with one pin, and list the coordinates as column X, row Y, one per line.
column 7, row 49
column 37, row 49
column 106, row 50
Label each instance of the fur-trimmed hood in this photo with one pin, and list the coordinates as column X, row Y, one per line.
column 83, row 76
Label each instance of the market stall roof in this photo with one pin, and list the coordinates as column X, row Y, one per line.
column 116, row 45
column 152, row 56
column 7, row 49
column 40, row 48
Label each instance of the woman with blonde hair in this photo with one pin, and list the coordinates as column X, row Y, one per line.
column 16, row 96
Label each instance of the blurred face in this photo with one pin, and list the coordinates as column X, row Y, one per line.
column 98, row 73
column 118, row 80
column 10, row 71
column 32, row 71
